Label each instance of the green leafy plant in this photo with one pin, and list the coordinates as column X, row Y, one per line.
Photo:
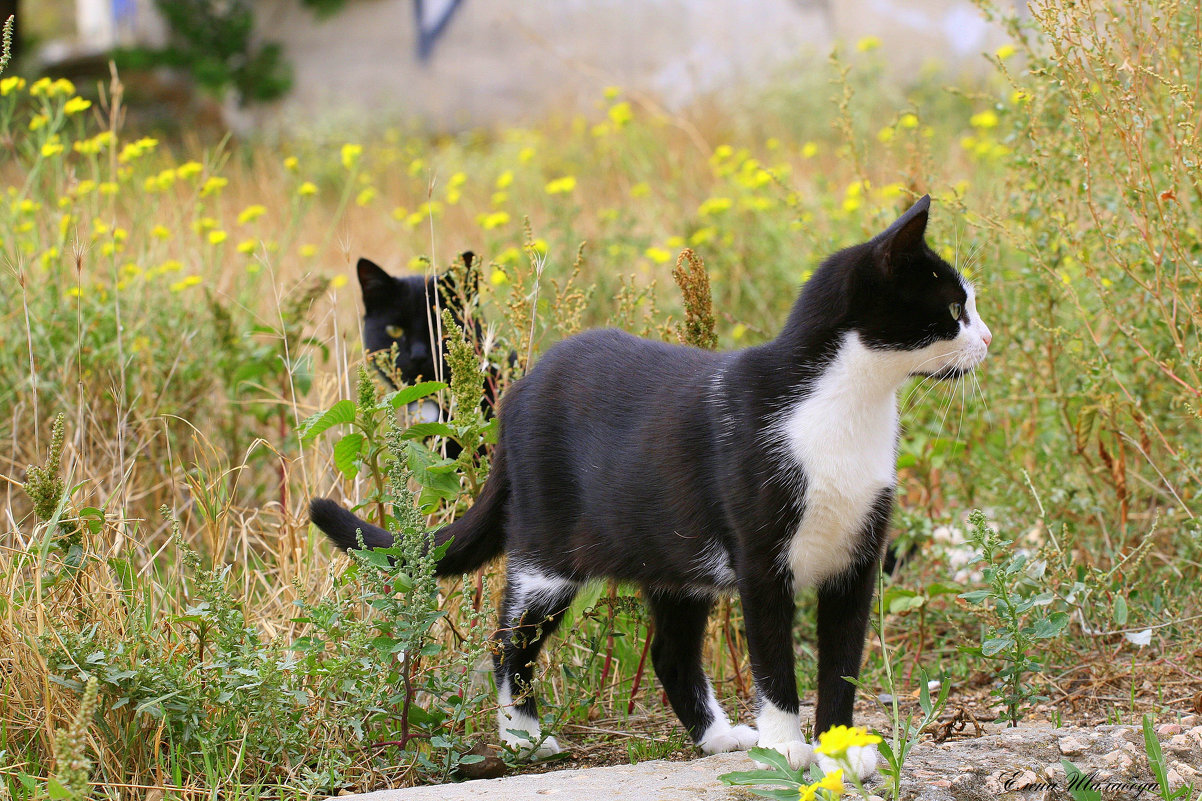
column 1015, row 603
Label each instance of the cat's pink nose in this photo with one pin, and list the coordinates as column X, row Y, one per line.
column 987, row 337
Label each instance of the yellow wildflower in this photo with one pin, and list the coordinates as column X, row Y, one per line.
column 885, row 134
column 561, row 186
column 217, row 237
column 620, row 114
column 809, row 150
column 180, row 286
column 291, row 163
column 702, row 235
column 247, row 246
column 498, row 277
column 76, row 105
column 109, row 188
column 611, row 92
column 37, row 121
column 161, row 232
column 350, row 155
column 504, row 179
column 835, row 741
column 499, row 198
column 868, row 44
column 525, row 155
column 338, row 281
column 1005, row 51
column 61, row 87
column 366, row 196
column 308, row 251
column 307, row 189
column 983, row 120
column 189, row 169
column 213, row 185
column 908, row 120
column 657, row 255
column 494, row 220
column 400, row 213
column 40, row 87
column 458, row 179
column 641, row 189
column 714, row 205
column 10, row 85
column 251, row 213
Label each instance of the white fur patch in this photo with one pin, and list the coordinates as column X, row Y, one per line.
column 424, row 411
column 513, row 722
column 842, row 436
column 781, row 731
column 527, row 584
column 861, row 758
column 721, row 737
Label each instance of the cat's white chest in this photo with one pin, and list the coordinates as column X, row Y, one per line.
column 842, row 438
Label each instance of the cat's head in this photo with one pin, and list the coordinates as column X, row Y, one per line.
column 899, row 296
column 400, row 311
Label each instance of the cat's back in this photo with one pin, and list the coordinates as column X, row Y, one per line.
column 589, row 392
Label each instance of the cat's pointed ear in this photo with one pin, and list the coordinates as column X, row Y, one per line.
column 377, row 285
column 471, row 272
column 905, row 236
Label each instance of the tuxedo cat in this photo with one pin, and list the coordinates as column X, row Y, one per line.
column 691, row 473
column 402, row 312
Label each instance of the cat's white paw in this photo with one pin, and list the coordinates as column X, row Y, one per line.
column 798, row 752
column 550, row 747
column 724, row 738
column 746, row 736
column 526, row 748
column 861, row 758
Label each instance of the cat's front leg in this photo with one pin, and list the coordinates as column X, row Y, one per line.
column 768, row 613
column 844, row 604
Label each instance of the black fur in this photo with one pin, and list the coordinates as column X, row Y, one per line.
column 647, row 463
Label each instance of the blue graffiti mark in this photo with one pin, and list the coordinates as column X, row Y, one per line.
column 433, row 16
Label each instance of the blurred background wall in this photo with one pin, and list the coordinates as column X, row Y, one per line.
column 457, row 63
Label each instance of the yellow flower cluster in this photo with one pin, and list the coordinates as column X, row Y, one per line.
column 561, row 186
column 835, row 741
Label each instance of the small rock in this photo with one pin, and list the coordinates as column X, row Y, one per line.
column 1189, row 720
column 491, row 767
column 1072, row 745
column 942, row 783
column 1175, row 779
column 1168, row 729
column 1180, row 744
column 1118, row 759
column 1187, row 771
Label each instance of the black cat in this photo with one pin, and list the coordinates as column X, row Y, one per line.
column 692, row 473
column 402, row 313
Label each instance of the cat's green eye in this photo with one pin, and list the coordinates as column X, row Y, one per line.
column 955, row 309
column 394, row 331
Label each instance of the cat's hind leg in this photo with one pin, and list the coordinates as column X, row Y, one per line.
column 533, row 608
column 676, row 654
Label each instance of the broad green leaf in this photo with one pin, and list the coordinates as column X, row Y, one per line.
column 996, row 645
column 1120, row 610
column 423, row 430
column 403, row 397
column 1051, row 625
column 341, row 412
column 346, row 454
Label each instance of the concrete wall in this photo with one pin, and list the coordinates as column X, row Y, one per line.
column 512, row 60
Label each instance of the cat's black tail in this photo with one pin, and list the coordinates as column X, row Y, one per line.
column 476, row 538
